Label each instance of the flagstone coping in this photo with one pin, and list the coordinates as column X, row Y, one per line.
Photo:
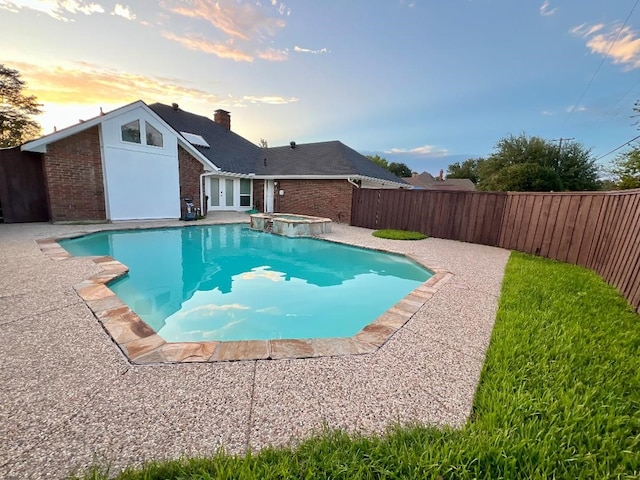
column 142, row 345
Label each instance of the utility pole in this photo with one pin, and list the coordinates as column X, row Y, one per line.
column 560, row 142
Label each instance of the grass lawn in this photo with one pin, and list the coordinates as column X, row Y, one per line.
column 398, row 234
column 559, row 397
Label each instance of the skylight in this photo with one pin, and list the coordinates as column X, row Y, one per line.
column 194, row 139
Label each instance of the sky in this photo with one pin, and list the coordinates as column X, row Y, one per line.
column 422, row 82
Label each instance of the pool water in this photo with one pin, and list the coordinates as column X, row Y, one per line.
column 227, row 282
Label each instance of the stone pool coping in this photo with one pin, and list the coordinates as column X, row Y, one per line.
column 142, row 345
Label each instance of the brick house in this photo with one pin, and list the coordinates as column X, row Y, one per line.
column 140, row 161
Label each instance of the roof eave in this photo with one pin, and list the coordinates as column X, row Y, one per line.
column 332, row 177
column 40, row 144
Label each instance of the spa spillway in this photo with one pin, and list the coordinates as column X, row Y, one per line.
column 290, row 225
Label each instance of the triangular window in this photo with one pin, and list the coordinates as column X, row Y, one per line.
column 154, row 137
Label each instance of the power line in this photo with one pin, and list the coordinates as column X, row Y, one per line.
column 617, row 148
column 603, row 60
column 560, row 141
column 616, row 106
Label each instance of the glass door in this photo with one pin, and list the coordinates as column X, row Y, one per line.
column 228, row 193
column 222, row 194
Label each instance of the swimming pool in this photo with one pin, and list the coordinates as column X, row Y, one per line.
column 227, row 282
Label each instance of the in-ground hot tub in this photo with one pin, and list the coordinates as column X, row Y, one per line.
column 290, row 225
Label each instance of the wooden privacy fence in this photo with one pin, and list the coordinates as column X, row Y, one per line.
column 23, row 196
column 597, row 230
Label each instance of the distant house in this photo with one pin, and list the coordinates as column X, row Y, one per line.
column 426, row 181
column 140, row 161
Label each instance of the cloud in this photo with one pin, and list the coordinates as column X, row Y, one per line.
column 221, row 50
column 622, row 45
column 273, row 55
column 545, row 11
column 271, row 100
column 58, row 9
column 96, row 85
column 574, row 108
column 547, row 113
column 429, row 150
column 239, row 21
column 123, row 11
column 307, row 50
column 585, row 30
column 86, row 86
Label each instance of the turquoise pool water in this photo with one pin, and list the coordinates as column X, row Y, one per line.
column 227, row 282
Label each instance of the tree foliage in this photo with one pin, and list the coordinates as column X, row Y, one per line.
column 398, row 169
column 528, row 164
column 626, row 169
column 626, row 166
column 377, row 159
column 16, row 109
column 467, row 169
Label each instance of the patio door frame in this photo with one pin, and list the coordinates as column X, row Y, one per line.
column 225, row 193
column 228, row 193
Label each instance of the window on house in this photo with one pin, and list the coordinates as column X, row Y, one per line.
column 245, row 192
column 154, row 137
column 131, row 132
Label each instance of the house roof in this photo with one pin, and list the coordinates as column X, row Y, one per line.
column 228, row 150
column 426, row 181
column 320, row 159
column 234, row 154
column 231, row 153
column 40, row 144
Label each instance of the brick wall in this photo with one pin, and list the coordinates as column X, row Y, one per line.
column 258, row 194
column 321, row 198
column 190, row 170
column 73, row 170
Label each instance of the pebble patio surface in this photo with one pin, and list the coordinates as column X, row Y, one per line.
column 69, row 396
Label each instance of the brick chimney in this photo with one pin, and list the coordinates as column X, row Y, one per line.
column 222, row 117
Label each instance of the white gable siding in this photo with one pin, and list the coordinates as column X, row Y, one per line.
column 141, row 181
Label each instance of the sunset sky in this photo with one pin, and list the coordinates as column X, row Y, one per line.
column 424, row 82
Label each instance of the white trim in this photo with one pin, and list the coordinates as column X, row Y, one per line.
column 220, row 173
column 221, row 194
column 105, row 184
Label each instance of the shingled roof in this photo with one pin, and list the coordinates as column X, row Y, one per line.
column 227, row 150
column 233, row 153
column 426, row 181
column 322, row 158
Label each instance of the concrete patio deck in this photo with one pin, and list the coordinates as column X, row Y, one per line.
column 69, row 397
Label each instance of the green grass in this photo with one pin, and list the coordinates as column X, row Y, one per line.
column 559, row 397
column 398, row 234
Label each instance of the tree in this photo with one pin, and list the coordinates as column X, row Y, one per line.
column 16, row 109
column 399, row 169
column 467, row 169
column 626, row 169
column 377, row 159
column 533, row 164
column 263, row 143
